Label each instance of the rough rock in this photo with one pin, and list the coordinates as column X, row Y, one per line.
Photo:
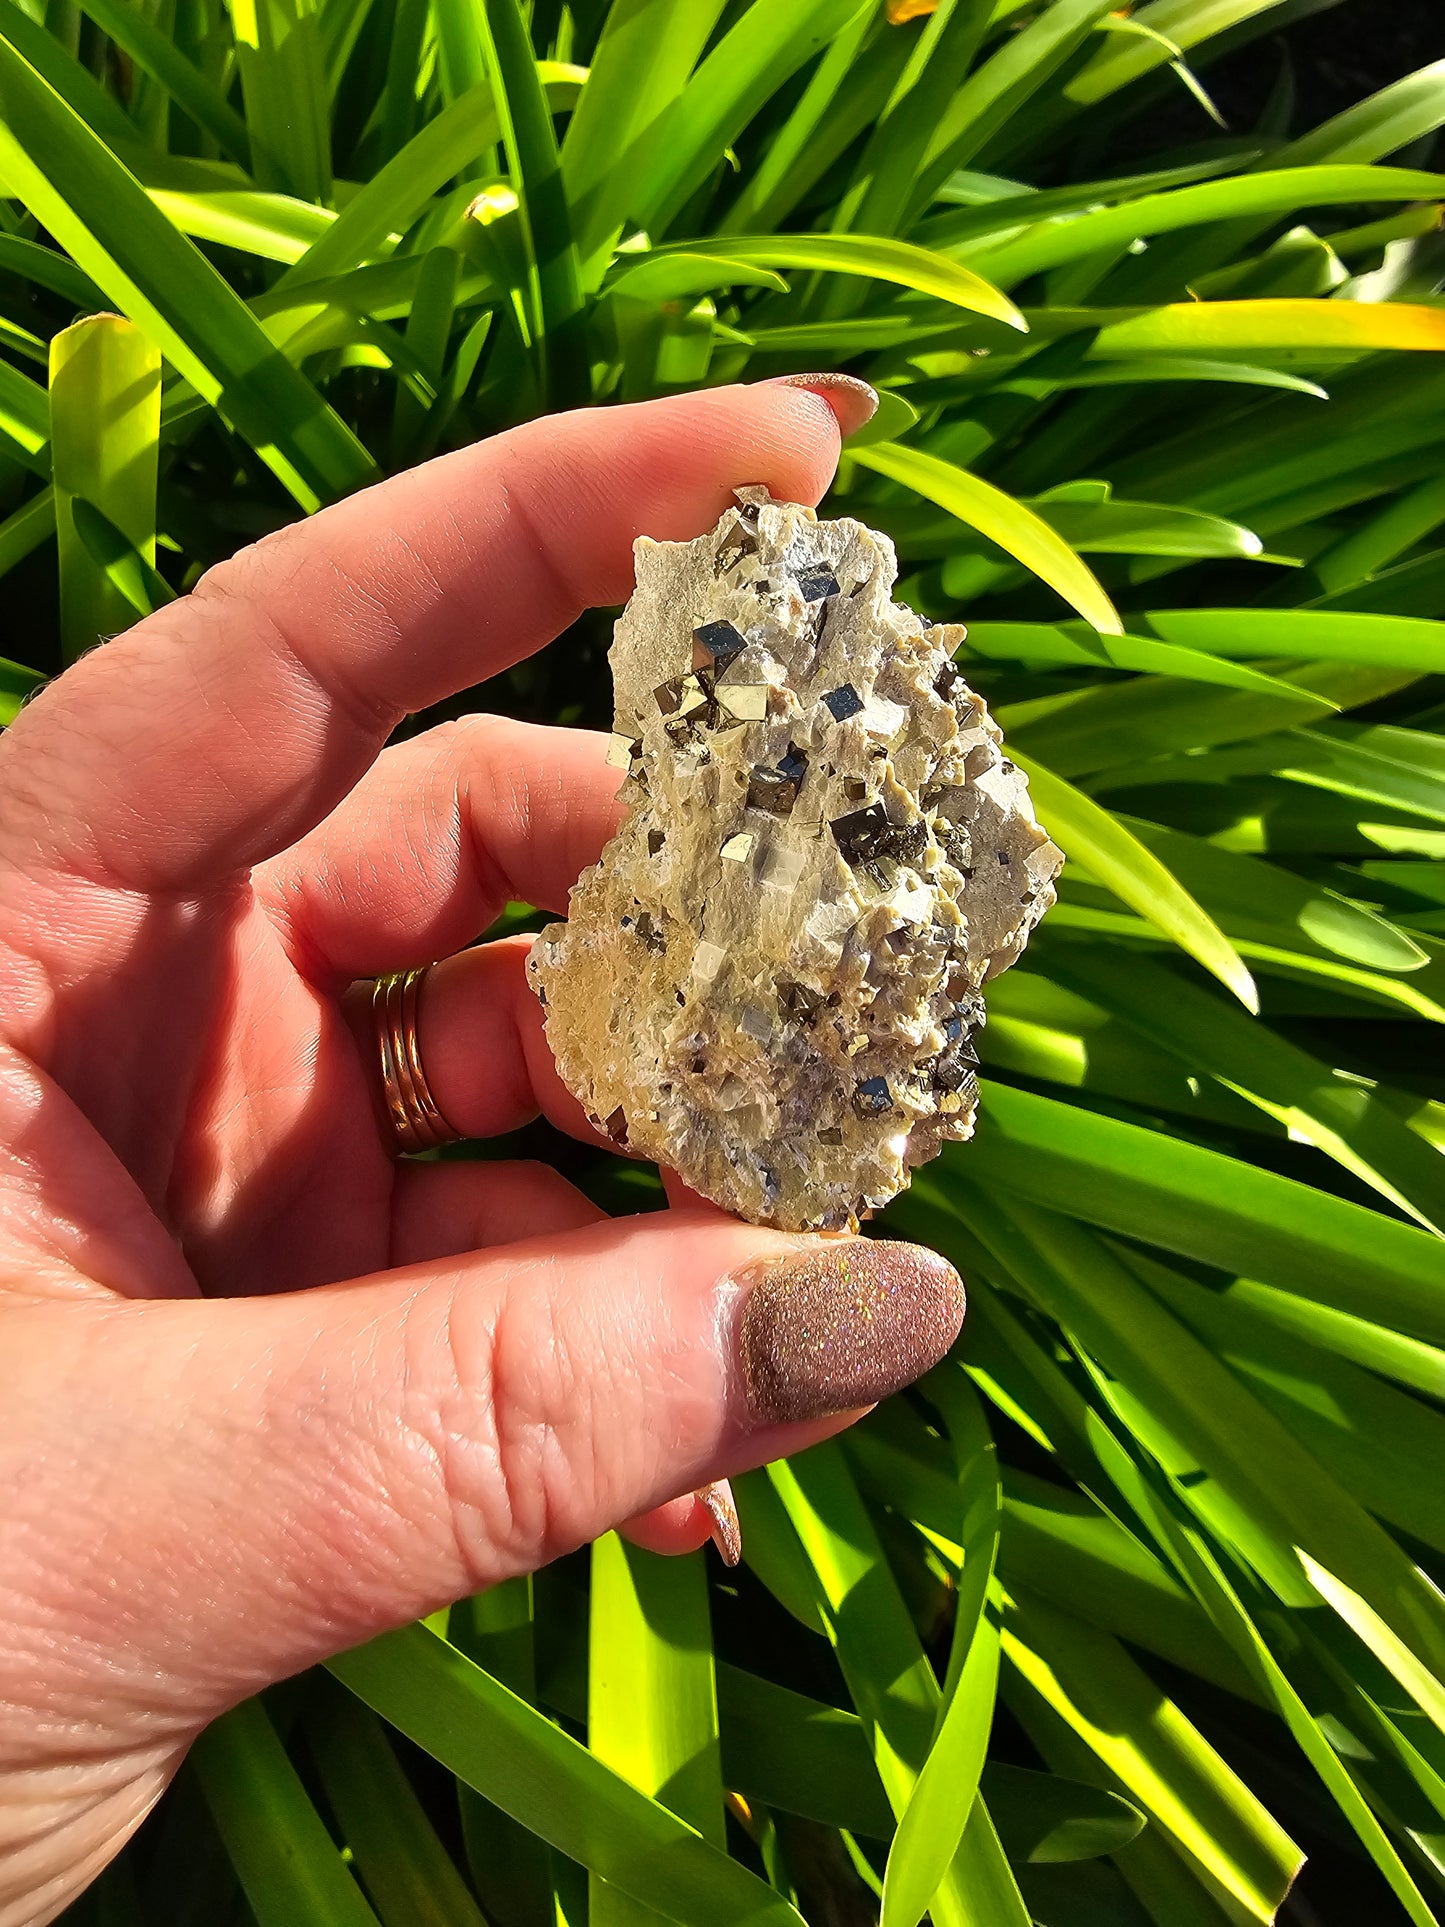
column 771, row 979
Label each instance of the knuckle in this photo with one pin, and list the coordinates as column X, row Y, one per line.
column 523, row 1469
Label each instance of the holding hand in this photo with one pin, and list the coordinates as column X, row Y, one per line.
column 215, row 1475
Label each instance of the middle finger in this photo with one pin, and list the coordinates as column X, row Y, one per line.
column 436, row 839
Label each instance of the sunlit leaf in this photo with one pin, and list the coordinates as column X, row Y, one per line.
column 1009, row 523
column 105, row 419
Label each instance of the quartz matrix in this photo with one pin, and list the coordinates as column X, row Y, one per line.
column 771, row 980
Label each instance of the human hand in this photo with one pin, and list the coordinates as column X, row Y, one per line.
column 214, row 1474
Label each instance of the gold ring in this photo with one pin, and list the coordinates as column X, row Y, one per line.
column 417, row 1123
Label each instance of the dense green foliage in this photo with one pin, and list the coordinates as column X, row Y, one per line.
column 1143, row 1581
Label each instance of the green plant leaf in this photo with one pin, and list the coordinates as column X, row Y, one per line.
column 1209, row 1581
column 273, row 226
column 157, row 55
column 1253, row 898
column 1076, row 645
column 1366, row 1434
column 1384, row 123
column 1402, row 642
column 792, row 1752
column 933, row 1823
column 542, row 214
column 641, row 63
column 398, row 193
column 16, row 681
column 1009, row 523
column 20, row 533
column 652, row 1712
column 1216, row 1441
column 1143, row 528
column 501, row 1746
column 24, row 420
column 1146, row 1746
column 1000, row 86
column 71, row 80
column 1240, row 1217
column 408, row 1873
column 1047, row 1820
column 283, row 79
column 892, row 1684
column 511, row 1868
column 1173, row 26
column 1393, row 1354
column 105, row 421
column 82, row 194
column 288, row 1865
column 1215, row 327
column 136, row 581
column 762, row 48
column 47, row 269
column 1317, row 1105
column 1114, row 855
column 1280, row 191
column 872, row 256
column 664, row 277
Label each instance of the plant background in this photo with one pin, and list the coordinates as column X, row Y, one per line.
column 1135, row 1601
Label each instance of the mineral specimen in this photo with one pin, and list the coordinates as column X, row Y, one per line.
column 770, row 980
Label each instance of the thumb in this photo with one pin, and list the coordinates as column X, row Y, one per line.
column 219, row 1493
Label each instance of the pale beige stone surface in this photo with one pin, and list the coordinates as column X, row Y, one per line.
column 769, row 981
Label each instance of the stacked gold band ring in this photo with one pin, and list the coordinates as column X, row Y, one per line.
column 417, row 1122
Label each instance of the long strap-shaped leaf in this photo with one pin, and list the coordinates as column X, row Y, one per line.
column 392, row 1840
column 156, row 54
column 1025, row 536
column 288, row 1864
column 105, row 220
column 1103, row 1718
column 554, row 273
column 105, row 424
column 1403, row 642
column 640, row 65
column 24, row 420
column 1204, row 1205
column 1203, row 1573
column 1049, row 245
column 283, row 79
column 1012, row 74
column 939, row 1809
column 1084, row 829
column 75, row 83
column 889, row 1677
column 527, row 1766
column 763, row 48
column 393, row 198
column 883, row 179
column 1261, row 1488
column 1348, row 1124
column 652, row 1712
column 875, row 257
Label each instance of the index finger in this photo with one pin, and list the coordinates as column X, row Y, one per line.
column 220, row 729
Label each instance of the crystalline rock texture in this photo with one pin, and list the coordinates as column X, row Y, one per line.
column 770, row 981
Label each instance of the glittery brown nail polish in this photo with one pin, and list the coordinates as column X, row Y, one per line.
column 843, row 1325
column 727, row 1533
column 852, row 400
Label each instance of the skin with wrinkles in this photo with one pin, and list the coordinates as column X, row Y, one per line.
column 264, row 1392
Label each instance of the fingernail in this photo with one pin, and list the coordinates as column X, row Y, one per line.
column 851, row 400
column 843, row 1325
column 727, row 1534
